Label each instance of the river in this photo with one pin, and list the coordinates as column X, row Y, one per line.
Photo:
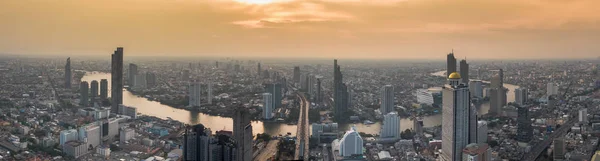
column 215, row 123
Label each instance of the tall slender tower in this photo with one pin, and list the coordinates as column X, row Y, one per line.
column 93, row 91
column 242, row 132
column 387, row 99
column 103, row 89
column 196, row 143
column 340, row 93
column 133, row 71
column 464, row 71
column 195, row 91
column 455, row 118
column 209, row 93
column 319, row 96
column 84, row 93
column 258, row 71
column 267, row 105
column 117, row 79
column 68, row 73
column 450, row 64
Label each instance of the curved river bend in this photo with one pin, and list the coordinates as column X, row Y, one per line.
column 153, row 108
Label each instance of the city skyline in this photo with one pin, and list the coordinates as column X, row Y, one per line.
column 401, row 29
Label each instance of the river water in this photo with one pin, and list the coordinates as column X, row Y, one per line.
column 215, row 123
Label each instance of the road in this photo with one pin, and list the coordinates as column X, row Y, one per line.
column 303, row 129
column 537, row 150
column 268, row 152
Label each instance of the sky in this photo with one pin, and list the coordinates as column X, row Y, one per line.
column 363, row 29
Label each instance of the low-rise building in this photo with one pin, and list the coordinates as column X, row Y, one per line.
column 126, row 135
column 75, row 148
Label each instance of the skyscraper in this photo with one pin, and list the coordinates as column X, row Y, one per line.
column 267, row 105
column 340, row 94
column 476, row 88
column 521, row 96
column 551, row 89
column 297, row 74
column 133, row 72
column 150, row 79
column 450, row 64
column 310, row 82
column 223, row 148
column 387, row 99
column 560, row 148
column 524, row 129
column 195, row 90
column 185, row 75
column 68, row 73
column 351, row 144
column 103, row 89
column 196, row 143
column 117, row 79
column 455, row 118
column 242, row 132
column 482, row 132
column 464, row 71
column 209, row 92
column 391, row 126
column 93, row 91
column 582, row 115
column 319, row 96
column 497, row 93
column 275, row 90
column 258, row 71
column 84, row 93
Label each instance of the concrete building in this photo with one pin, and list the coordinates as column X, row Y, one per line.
column 425, row 96
column 560, row 148
column 84, row 94
column 521, row 96
column 93, row 91
column 497, row 94
column 209, row 93
column 387, row 99
column 68, row 135
column 418, row 125
column 456, row 119
column 477, row 152
column 242, row 132
column 450, row 64
column 196, row 144
column 551, row 89
column 68, row 76
column 391, row 126
column 351, row 144
column 325, row 132
column 117, row 79
column 103, row 89
column 296, row 74
column 109, row 128
column 150, row 80
column 267, row 105
column 90, row 135
column 583, row 118
column 223, row 148
column 140, row 82
column 75, row 149
column 464, row 72
column 131, row 75
column 482, row 132
column 195, row 91
column 128, row 111
column 476, row 88
column 275, row 90
column 126, row 135
column 524, row 129
column 340, row 94
column 103, row 152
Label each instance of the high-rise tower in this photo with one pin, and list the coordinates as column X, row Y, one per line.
column 455, row 119
column 259, row 70
column 450, row 64
column 275, row 90
column 133, row 71
column 267, row 105
column 117, row 79
column 196, row 143
column 68, row 73
column 93, row 91
column 464, row 71
column 195, row 91
column 297, row 74
column 391, row 126
column 387, row 99
column 524, row 130
column 242, row 132
column 497, row 93
column 103, row 89
column 340, row 94
column 84, row 94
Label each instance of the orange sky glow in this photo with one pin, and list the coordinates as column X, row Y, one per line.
column 373, row 29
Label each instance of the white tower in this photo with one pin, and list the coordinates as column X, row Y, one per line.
column 455, row 119
column 267, row 105
column 387, row 99
column 391, row 126
column 194, row 94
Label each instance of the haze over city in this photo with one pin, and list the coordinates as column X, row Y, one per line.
column 363, row 29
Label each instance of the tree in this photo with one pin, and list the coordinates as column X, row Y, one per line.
column 407, row 134
column 493, row 143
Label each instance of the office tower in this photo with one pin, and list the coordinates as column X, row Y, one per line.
column 297, row 74
column 223, row 148
column 551, row 89
column 310, row 85
column 117, row 79
column 472, row 124
column 93, row 91
column 242, row 132
column 84, row 94
column 267, row 105
column 482, row 132
column 133, row 72
column 477, row 152
column 68, row 135
column 387, row 99
column 90, row 135
column 391, row 126
column 196, row 143
column 150, row 80
column 524, row 129
column 497, row 93
column 464, row 71
column 128, row 111
column 103, row 89
column 68, row 75
column 521, row 96
column 560, row 148
column 476, row 88
column 194, row 94
column 209, row 92
column 418, row 125
column 450, row 64
column 340, row 94
column 185, row 75
column 303, row 82
column 455, row 118
column 258, row 70
column 325, row 132
column 425, row 96
column 319, row 96
column 275, row 90
column 583, row 118
column 140, row 82
column 351, row 144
